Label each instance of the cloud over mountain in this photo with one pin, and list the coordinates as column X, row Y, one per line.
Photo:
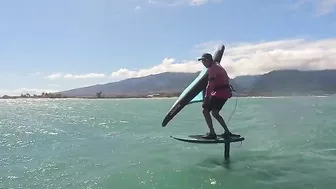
column 240, row 59
column 252, row 58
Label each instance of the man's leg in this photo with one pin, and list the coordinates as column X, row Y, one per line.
column 218, row 105
column 208, row 120
column 220, row 119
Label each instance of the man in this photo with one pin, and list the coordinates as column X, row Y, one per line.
column 218, row 91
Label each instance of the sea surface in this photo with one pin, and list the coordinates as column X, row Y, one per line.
column 290, row 143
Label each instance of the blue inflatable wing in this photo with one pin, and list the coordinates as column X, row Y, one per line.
column 194, row 92
column 200, row 96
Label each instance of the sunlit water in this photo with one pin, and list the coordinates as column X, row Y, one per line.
column 75, row 143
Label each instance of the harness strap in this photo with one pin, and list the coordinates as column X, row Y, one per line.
column 224, row 87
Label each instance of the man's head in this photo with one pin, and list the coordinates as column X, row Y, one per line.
column 206, row 59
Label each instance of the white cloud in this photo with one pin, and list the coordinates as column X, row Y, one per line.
column 198, row 2
column 323, row 7
column 253, row 58
column 242, row 59
column 209, row 46
column 326, row 6
column 137, row 8
column 54, row 76
column 84, row 76
column 201, row 2
column 24, row 91
column 74, row 76
column 167, row 65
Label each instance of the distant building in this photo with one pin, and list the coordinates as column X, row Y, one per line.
column 153, row 95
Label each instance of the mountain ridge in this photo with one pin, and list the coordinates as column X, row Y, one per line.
column 273, row 83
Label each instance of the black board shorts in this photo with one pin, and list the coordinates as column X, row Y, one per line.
column 216, row 103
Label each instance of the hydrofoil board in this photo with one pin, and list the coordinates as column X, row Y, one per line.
column 199, row 139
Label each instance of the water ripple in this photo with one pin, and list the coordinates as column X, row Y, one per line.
column 78, row 143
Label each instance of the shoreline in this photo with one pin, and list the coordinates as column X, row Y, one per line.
column 93, row 98
column 158, row 98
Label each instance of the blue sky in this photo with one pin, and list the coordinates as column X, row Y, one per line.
column 58, row 45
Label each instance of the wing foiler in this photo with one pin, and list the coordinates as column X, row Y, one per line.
column 194, row 92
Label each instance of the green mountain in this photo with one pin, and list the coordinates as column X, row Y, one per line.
column 167, row 83
column 246, row 81
column 275, row 83
column 159, row 83
column 294, row 82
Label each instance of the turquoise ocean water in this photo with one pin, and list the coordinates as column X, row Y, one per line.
column 76, row 143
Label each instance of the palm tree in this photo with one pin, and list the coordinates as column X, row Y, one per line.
column 99, row 94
